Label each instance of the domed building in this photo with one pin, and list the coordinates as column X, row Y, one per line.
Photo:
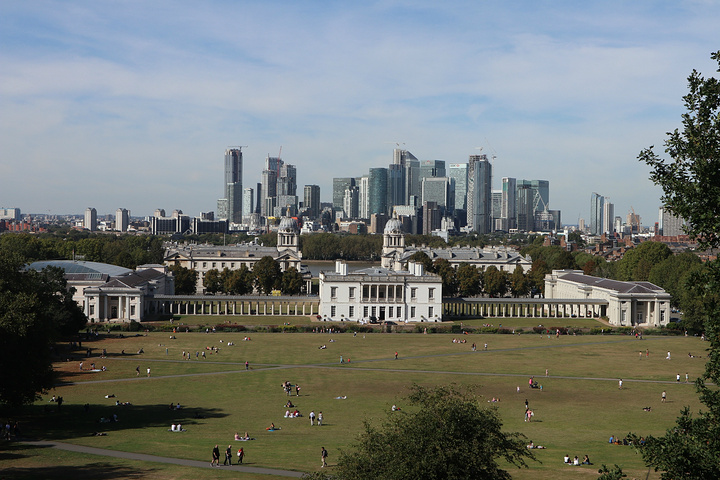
column 204, row 258
column 395, row 255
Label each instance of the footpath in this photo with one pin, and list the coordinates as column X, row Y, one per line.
column 152, row 458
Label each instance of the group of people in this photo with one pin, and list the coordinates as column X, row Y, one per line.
column 228, row 456
column 287, row 387
column 576, row 461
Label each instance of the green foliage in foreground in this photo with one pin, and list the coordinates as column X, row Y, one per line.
column 448, row 436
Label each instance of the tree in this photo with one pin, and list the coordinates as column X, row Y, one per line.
column 212, row 281
column 691, row 189
column 267, row 274
column 468, row 280
column 36, row 309
column 519, row 283
column 536, row 275
column 448, row 275
column 239, row 282
column 637, row 262
column 185, row 279
column 446, row 433
column 422, row 258
column 291, row 282
column 495, row 281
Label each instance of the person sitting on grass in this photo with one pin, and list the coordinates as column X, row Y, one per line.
column 566, row 459
column 272, row 427
column 586, row 460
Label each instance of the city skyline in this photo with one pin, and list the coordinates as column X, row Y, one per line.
column 109, row 106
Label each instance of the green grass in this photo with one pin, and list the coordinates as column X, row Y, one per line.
column 579, row 407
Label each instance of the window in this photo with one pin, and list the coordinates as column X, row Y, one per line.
column 622, row 317
column 92, row 309
column 399, row 292
column 204, row 264
column 381, row 292
column 399, row 312
column 132, row 310
column 333, row 292
column 365, row 312
column 222, row 264
column 430, row 312
column 213, row 265
column 431, row 293
column 662, row 316
column 390, row 312
column 351, row 292
column 412, row 312
column 374, row 311
column 413, row 293
column 351, row 311
column 366, row 292
column 232, row 264
column 333, row 310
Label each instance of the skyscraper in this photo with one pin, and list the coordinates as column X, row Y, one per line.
column 377, row 191
column 269, row 185
column 441, row 191
column 122, row 220
column 90, row 219
column 508, row 210
column 608, row 217
column 479, row 197
column 458, row 172
column 248, row 202
column 596, row 211
column 338, row 193
column 311, row 200
column 232, row 188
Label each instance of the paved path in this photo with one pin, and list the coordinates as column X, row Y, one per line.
column 152, row 458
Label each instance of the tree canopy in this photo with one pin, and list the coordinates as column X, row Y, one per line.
column 445, row 433
column 36, row 309
column 690, row 180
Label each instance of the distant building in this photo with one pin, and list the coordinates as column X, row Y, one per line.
column 379, row 294
column 203, row 258
column 231, row 208
column 311, row 200
column 670, row 224
column 108, row 293
column 122, row 219
column 633, row 304
column 90, row 222
column 10, row 214
column 479, row 196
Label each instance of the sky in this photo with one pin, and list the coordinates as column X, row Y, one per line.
column 132, row 103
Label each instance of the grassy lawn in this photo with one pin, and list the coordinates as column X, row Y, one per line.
column 577, row 410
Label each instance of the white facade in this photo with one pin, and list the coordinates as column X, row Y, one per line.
column 380, row 294
column 640, row 304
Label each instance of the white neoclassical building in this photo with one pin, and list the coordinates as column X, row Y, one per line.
column 379, row 294
column 641, row 304
column 395, row 254
column 108, row 293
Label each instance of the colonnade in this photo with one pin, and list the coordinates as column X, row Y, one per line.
column 524, row 307
column 234, row 305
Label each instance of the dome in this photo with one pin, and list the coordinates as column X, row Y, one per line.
column 288, row 224
column 393, row 226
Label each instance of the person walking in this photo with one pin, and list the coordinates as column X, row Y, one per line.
column 312, row 417
column 240, row 455
column 396, row 355
column 664, row 396
column 137, row 370
column 228, row 456
column 247, row 367
column 620, row 384
column 677, row 377
column 215, row 456
column 148, row 371
column 319, row 418
column 687, row 378
column 323, row 456
column 297, row 390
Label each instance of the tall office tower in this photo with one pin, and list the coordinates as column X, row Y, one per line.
column 350, row 203
column 508, row 212
column 596, row 210
column 396, row 185
column 431, row 217
column 540, row 192
column 479, row 200
column 338, row 193
column 670, row 224
column 432, row 168
column 617, row 225
column 159, row 212
column 311, row 200
column 363, row 197
column 459, row 173
column 581, row 225
column 377, row 191
column 409, row 166
column 122, row 220
column 231, row 207
column 90, row 219
column 258, row 197
column 608, row 216
column 248, row 202
column 286, row 204
column 525, row 218
column 496, row 209
column 441, row 191
column 270, row 177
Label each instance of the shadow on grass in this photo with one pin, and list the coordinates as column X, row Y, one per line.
column 72, row 421
column 95, row 471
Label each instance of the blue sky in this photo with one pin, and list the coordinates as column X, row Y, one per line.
column 132, row 103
